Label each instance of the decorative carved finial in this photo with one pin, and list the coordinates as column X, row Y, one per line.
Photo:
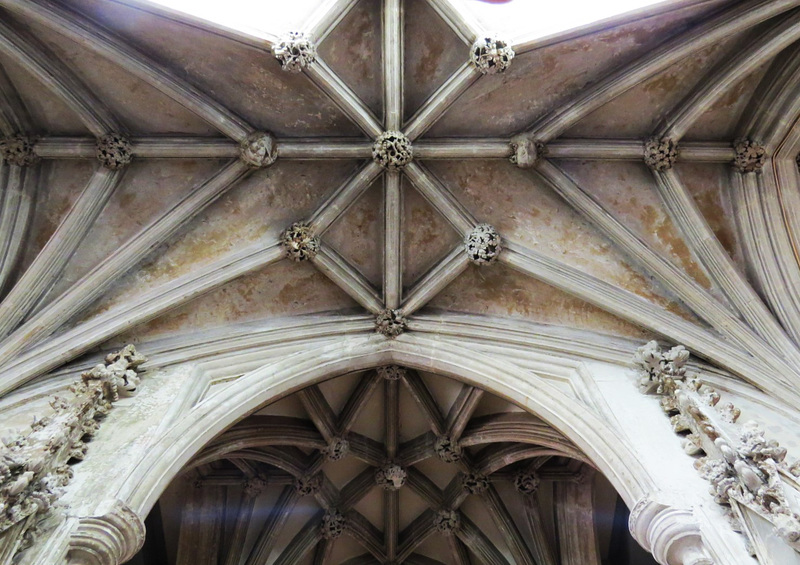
column 114, row 151
column 527, row 482
column 660, row 154
column 392, row 372
column 391, row 323
column 474, row 483
column 333, row 524
column 750, row 156
column 254, row 487
column 337, row 448
column 299, row 242
column 447, row 521
column 391, row 476
column 118, row 375
column 660, row 370
column 18, row 150
column 258, row 150
column 295, row 51
column 491, row 54
column 483, row 245
column 308, row 484
column 392, row 150
column 527, row 152
column 447, row 450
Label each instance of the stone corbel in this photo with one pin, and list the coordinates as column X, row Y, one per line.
column 112, row 537
column 672, row 535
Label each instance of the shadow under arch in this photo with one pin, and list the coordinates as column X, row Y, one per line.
column 596, row 438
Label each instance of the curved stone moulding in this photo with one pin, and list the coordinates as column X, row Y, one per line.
column 111, row 537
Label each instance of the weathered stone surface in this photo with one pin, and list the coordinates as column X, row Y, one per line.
column 295, row 51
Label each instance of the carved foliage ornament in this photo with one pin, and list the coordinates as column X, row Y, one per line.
column 660, row 154
column 527, row 482
column 392, row 150
column 447, row 521
column 333, row 524
column 750, row 156
column 299, row 242
column 391, row 323
column 447, row 450
column 474, row 483
column 391, row 476
column 338, row 448
column 308, row 485
column 114, row 151
column 744, row 468
column 295, row 51
column 392, row 372
column 483, row 245
column 491, row 54
column 258, row 150
column 33, row 467
column 18, row 150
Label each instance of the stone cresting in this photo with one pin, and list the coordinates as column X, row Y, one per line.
column 299, row 242
column 491, row 54
column 114, row 151
column 392, row 372
column 391, row 476
column 18, row 150
column 447, row 522
column 333, row 524
column 747, row 472
column 750, row 156
column 392, row 150
column 526, row 152
column 295, row 51
column 258, row 150
column 660, row 154
column 447, row 450
column 390, row 323
column 34, row 467
column 483, row 245
column 338, row 448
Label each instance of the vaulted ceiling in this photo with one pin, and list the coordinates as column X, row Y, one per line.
column 632, row 179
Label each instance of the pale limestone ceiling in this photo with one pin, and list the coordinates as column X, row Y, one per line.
column 186, row 237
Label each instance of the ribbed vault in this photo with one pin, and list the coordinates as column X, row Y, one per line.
column 165, row 179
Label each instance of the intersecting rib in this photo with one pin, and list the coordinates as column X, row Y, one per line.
column 346, row 277
column 440, row 198
column 19, row 186
column 435, row 280
column 343, row 197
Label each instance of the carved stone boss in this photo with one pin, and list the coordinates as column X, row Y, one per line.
column 34, row 467
column 746, row 471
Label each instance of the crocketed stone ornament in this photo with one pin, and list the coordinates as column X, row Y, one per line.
column 392, row 150
column 333, row 523
column 392, row 372
column 447, row 521
column 391, row 323
column 447, row 450
column 308, row 485
column 483, row 245
column 114, row 151
column 18, row 150
column 474, row 483
column 295, row 51
column 299, row 242
column 750, row 156
column 527, row 482
column 491, row 54
column 337, row 448
column 258, row 149
column 660, row 154
column 391, row 476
